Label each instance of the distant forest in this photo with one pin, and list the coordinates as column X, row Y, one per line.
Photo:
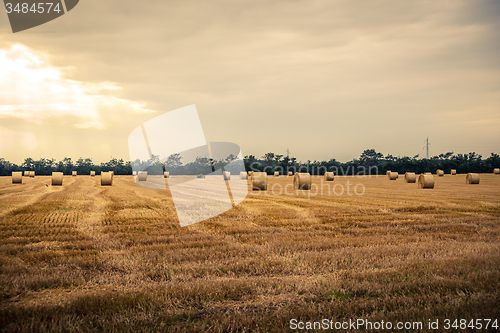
column 369, row 162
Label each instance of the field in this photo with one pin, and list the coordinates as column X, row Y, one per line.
column 82, row 257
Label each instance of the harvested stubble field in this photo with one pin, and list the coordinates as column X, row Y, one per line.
column 82, row 257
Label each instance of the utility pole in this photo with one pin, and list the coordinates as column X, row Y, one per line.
column 427, row 144
column 287, row 153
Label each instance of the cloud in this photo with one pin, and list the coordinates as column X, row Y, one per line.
column 33, row 90
column 10, row 138
column 364, row 74
column 90, row 124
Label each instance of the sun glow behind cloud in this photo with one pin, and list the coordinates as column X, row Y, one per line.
column 33, row 90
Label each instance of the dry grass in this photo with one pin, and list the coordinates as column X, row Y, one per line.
column 82, row 257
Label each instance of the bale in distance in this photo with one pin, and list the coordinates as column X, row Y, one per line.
column 57, row 178
column 426, row 181
column 440, row 173
column 17, row 177
column 393, row 176
column 134, row 173
column 388, row 172
column 472, row 178
column 302, row 181
column 453, row 172
column 32, row 174
column 26, row 173
column 166, row 174
column 410, row 177
column 92, row 173
column 276, row 174
column 329, row 176
column 73, row 173
column 243, row 175
column 290, row 173
column 106, row 178
column 259, row 181
column 496, row 171
column 227, row 175
column 112, row 174
column 143, row 176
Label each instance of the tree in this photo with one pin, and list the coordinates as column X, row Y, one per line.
column 173, row 161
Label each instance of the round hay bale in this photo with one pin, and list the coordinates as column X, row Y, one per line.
column 92, row 173
column 290, row 173
column 426, row 181
column 166, row 174
column 388, row 172
column 440, row 173
column 329, row 176
column 227, row 175
column 496, row 171
column 393, row 176
column 73, row 173
column 57, row 178
column 26, row 173
column 302, row 181
column 276, row 174
column 453, row 172
column 106, row 178
column 410, row 177
column 17, row 177
column 134, row 173
column 472, row 178
column 143, row 176
column 32, row 174
column 243, row 175
column 259, row 181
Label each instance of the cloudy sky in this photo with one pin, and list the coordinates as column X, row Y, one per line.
column 325, row 79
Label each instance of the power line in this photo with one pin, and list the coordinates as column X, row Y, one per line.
column 427, row 144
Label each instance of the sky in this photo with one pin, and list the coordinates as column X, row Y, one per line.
column 324, row 79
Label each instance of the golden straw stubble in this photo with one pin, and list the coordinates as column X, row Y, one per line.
column 329, row 176
column 57, row 178
column 472, row 178
column 106, row 178
column 410, row 177
column 17, row 177
column 259, row 181
column 426, row 181
column 302, row 181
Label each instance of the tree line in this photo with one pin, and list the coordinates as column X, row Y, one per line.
column 370, row 162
